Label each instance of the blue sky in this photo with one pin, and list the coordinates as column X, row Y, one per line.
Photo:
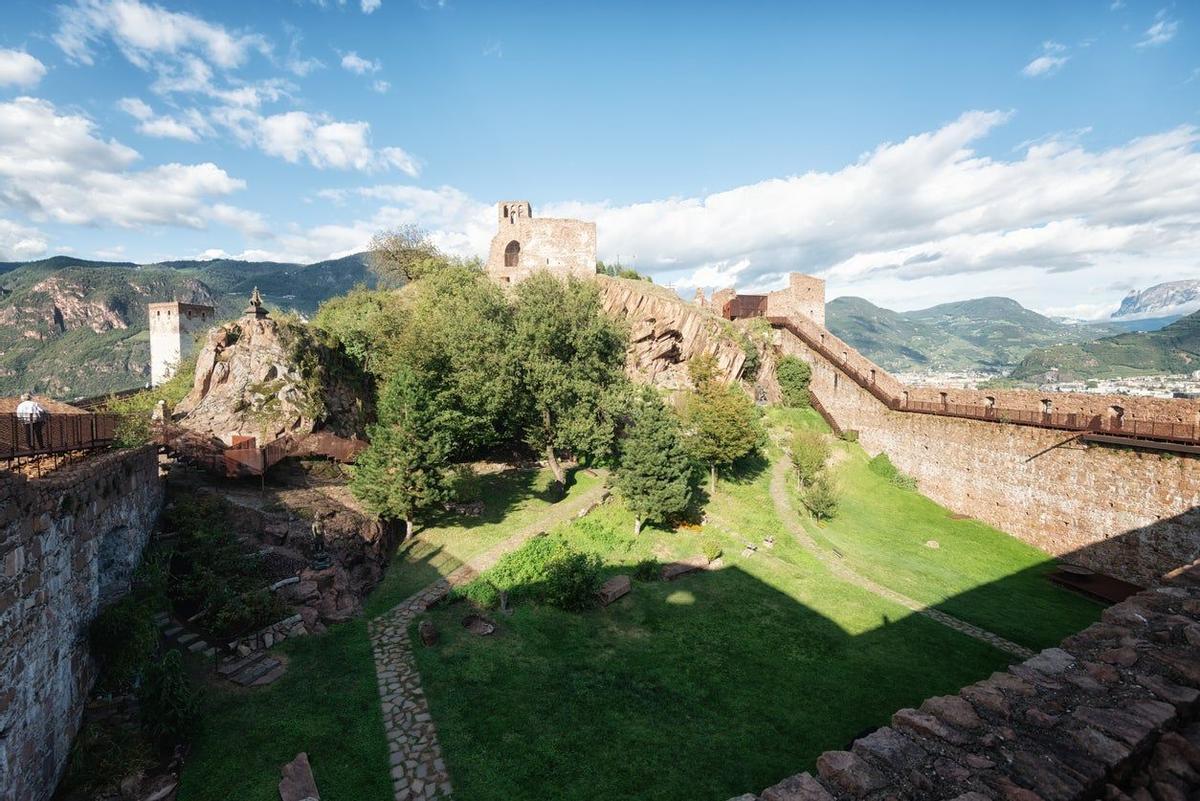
column 910, row 155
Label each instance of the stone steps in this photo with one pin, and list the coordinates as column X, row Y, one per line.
column 178, row 637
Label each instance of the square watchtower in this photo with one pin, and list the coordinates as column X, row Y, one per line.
column 173, row 329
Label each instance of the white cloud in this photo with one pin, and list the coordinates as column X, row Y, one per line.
column 1162, row 31
column 368, row 6
column 54, row 167
column 1051, row 60
column 381, row 87
column 20, row 242
column 355, row 63
column 297, row 136
column 164, row 127
column 251, row 223
column 144, row 31
column 18, row 68
column 494, row 48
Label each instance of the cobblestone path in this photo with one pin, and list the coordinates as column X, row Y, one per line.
column 788, row 515
column 418, row 769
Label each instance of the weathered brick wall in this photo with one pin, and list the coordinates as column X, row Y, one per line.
column 564, row 247
column 69, row 543
column 1125, row 512
column 1112, row 713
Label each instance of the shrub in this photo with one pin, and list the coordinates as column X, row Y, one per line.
column 124, row 638
column 711, row 550
column 850, row 435
column 821, row 498
column 809, row 453
column 647, row 570
column 572, row 581
column 168, row 701
column 102, row 755
column 465, row 486
column 881, row 465
column 480, row 592
column 237, row 616
column 793, row 375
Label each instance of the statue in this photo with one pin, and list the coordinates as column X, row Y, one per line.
column 320, row 558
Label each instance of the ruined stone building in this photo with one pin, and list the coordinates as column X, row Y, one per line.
column 524, row 244
column 173, row 330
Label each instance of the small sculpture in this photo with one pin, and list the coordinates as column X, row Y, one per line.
column 320, row 558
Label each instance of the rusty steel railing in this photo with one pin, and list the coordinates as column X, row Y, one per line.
column 1115, row 425
column 56, row 434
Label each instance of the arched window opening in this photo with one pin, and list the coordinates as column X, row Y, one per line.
column 906, row 398
column 1116, row 415
column 1047, row 405
column 505, row 214
column 512, row 254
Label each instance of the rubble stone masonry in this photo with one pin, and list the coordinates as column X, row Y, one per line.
column 1127, row 512
column 69, row 543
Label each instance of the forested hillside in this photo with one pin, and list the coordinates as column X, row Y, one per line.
column 71, row 328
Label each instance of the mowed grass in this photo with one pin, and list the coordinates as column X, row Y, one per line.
column 713, row 685
column 977, row 573
column 327, row 703
column 513, row 499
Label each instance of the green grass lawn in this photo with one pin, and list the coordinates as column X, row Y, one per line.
column 327, row 703
column 977, row 573
column 702, row 688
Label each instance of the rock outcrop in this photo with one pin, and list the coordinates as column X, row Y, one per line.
column 263, row 378
column 665, row 332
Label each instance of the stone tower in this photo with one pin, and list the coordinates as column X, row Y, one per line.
column 525, row 244
column 173, row 329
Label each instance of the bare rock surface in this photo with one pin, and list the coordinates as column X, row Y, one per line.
column 298, row 783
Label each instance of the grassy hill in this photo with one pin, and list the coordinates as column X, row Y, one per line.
column 1173, row 349
column 71, row 327
column 990, row 333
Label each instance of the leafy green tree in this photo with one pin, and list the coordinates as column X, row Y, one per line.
column 404, row 254
column 570, row 354
column 809, row 454
column 721, row 425
column 366, row 322
column 654, row 473
column 702, row 370
column 821, row 498
column 794, row 376
column 404, row 472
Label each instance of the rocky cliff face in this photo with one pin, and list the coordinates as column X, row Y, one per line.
column 665, row 332
column 263, row 378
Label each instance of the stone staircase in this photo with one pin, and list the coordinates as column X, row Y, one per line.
column 253, row 669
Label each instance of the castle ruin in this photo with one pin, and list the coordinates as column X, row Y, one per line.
column 525, row 244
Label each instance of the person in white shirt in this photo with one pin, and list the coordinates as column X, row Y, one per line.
column 33, row 415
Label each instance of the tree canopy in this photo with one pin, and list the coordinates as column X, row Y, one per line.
column 721, row 425
column 654, row 473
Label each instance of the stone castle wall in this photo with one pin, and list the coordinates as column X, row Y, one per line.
column 1112, row 713
column 69, row 543
column 1126, row 512
column 563, row 247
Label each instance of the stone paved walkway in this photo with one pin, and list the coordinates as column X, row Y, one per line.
column 788, row 515
column 418, row 769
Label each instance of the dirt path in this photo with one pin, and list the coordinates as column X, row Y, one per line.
column 418, row 769
column 788, row 515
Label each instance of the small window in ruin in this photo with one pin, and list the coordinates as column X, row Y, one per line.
column 512, row 254
column 872, row 376
column 505, row 211
column 906, row 397
column 1116, row 414
column 945, row 399
column 835, row 382
column 1047, row 405
column 989, row 402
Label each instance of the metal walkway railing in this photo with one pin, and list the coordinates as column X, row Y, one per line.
column 58, row 433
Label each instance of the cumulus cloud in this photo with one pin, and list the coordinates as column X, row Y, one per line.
column 20, row 242
column 189, row 129
column 381, row 87
column 1051, row 60
column 18, row 68
column 144, row 31
column 55, row 167
column 1162, row 31
column 355, row 63
column 368, row 6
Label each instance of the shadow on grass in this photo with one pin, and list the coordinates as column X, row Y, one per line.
column 501, row 492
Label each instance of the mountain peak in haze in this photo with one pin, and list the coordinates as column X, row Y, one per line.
column 1161, row 300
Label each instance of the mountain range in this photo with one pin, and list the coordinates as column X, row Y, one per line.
column 71, row 328
column 990, row 334
column 1171, row 298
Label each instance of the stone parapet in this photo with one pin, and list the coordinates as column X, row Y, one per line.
column 69, row 543
column 1111, row 713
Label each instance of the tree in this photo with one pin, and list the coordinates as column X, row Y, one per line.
column 570, row 354
column 404, row 254
column 654, row 473
column 721, row 425
column 702, row 370
column 809, row 453
column 794, row 375
column 404, row 471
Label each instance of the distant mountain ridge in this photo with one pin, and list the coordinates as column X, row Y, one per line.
column 73, row 327
column 989, row 334
column 1161, row 300
column 1174, row 349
